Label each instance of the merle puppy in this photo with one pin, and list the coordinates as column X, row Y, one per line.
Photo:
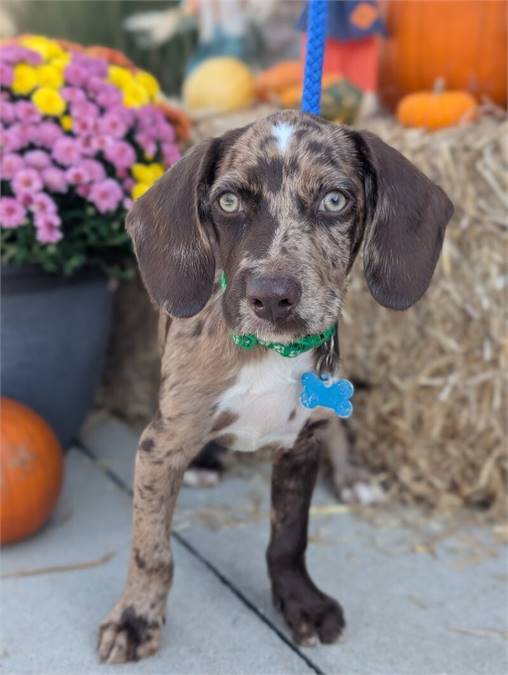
column 281, row 207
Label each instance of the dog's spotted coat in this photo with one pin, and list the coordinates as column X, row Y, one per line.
column 279, row 169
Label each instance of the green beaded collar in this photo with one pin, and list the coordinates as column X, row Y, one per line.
column 289, row 350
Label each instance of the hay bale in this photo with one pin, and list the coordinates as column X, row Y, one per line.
column 433, row 415
column 431, row 418
column 130, row 383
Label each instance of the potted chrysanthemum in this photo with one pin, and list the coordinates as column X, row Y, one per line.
column 80, row 138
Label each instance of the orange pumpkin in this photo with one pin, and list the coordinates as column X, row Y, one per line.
column 464, row 43
column 31, row 471
column 276, row 79
column 436, row 110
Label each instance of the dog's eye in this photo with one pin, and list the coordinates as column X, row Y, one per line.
column 333, row 202
column 229, row 202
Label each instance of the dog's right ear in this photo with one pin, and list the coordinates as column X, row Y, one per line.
column 170, row 240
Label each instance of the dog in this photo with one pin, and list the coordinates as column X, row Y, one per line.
column 278, row 210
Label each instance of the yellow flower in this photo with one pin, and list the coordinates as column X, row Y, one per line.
column 134, row 96
column 141, row 173
column 148, row 82
column 147, row 173
column 139, row 189
column 157, row 170
column 24, row 79
column 120, row 77
column 48, row 101
column 60, row 62
column 66, row 122
column 48, row 49
column 49, row 76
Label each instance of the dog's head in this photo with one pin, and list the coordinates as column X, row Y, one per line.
column 283, row 206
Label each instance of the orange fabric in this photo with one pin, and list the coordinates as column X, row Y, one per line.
column 364, row 15
column 357, row 61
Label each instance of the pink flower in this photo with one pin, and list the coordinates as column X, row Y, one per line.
column 47, row 134
column 54, row 179
column 106, row 195
column 42, row 205
column 26, row 181
column 83, row 190
column 128, row 184
column 76, row 75
column 127, row 203
column 164, row 132
column 93, row 65
column 25, row 131
column 12, row 139
column 12, row 213
column 148, row 118
column 127, row 114
column 87, row 145
column 83, row 126
column 121, row 154
column 73, row 94
column 27, row 113
column 107, row 95
column 5, row 75
column 14, row 53
column 7, row 112
column 95, row 169
column 113, row 125
column 38, row 159
column 147, row 143
column 67, row 151
column 11, row 164
column 26, row 199
column 84, row 110
column 101, row 143
column 170, row 153
column 48, row 229
column 77, row 175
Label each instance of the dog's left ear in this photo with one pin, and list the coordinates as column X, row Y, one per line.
column 406, row 217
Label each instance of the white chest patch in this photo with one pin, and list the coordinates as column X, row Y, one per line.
column 282, row 133
column 264, row 397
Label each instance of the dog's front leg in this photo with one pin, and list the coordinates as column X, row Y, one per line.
column 132, row 629
column 311, row 615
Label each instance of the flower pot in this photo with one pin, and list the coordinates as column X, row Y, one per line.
column 54, row 334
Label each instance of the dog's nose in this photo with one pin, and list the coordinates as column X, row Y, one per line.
column 273, row 298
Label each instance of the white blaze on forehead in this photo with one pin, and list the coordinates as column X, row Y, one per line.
column 282, row 133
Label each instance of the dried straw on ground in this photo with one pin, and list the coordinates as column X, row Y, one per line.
column 432, row 415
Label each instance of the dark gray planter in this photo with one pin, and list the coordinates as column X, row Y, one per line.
column 54, row 336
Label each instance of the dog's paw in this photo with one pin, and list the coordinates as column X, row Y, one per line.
column 312, row 616
column 127, row 635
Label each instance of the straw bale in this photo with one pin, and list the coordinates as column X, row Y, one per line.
column 432, row 413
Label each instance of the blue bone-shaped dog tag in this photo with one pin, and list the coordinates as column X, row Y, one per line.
column 317, row 391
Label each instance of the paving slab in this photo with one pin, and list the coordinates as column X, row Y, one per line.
column 49, row 620
column 421, row 598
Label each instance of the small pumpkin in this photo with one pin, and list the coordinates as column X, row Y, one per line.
column 434, row 110
column 31, row 471
column 221, row 84
column 278, row 78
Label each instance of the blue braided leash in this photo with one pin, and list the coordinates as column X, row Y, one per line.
column 316, row 34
